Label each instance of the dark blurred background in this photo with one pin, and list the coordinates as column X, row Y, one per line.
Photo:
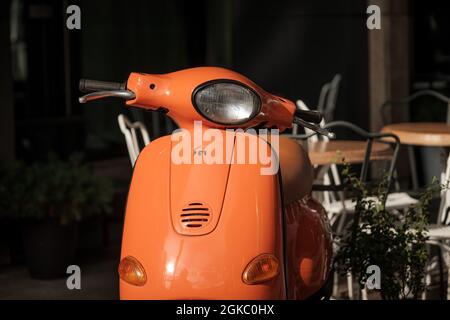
column 290, row 48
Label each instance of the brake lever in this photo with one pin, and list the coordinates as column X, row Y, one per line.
column 315, row 128
column 124, row 94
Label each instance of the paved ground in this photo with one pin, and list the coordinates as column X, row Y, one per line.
column 99, row 280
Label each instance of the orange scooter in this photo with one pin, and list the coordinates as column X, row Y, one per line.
column 220, row 230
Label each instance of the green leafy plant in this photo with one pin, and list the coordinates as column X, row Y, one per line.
column 395, row 242
column 65, row 191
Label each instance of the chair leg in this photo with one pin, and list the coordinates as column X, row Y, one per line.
column 350, row 285
column 427, row 281
column 441, row 275
column 447, row 263
column 427, row 277
column 364, row 294
column 335, row 285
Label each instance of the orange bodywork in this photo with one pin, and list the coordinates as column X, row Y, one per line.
column 194, row 228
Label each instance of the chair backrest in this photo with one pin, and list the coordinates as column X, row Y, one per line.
column 129, row 129
column 370, row 138
column 415, row 95
column 328, row 97
column 326, row 104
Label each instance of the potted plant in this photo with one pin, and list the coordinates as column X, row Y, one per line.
column 49, row 199
column 396, row 243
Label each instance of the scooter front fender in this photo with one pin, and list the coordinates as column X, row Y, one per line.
column 207, row 266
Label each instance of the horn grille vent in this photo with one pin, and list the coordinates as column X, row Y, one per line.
column 195, row 215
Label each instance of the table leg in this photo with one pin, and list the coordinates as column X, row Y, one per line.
column 413, row 167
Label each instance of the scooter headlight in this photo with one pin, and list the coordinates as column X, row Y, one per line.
column 226, row 102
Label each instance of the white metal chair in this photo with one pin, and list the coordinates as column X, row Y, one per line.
column 129, row 129
column 338, row 206
column 439, row 234
column 326, row 105
column 346, row 206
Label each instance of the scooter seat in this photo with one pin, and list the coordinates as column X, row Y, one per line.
column 297, row 173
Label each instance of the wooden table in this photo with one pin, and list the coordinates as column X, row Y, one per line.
column 350, row 151
column 428, row 134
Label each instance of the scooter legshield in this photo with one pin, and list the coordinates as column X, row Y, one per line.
column 209, row 264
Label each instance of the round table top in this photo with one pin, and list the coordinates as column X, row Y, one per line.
column 429, row 134
column 348, row 151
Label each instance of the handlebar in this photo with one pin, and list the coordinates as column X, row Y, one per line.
column 87, row 85
column 314, row 127
column 102, row 89
column 311, row 119
column 309, row 116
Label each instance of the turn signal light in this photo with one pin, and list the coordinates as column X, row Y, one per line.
column 261, row 269
column 132, row 271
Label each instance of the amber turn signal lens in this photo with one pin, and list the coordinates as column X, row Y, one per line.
column 261, row 269
column 132, row 271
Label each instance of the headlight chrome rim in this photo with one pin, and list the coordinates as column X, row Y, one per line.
column 226, row 81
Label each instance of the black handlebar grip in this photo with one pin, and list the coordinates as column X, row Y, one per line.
column 87, row 85
column 309, row 115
